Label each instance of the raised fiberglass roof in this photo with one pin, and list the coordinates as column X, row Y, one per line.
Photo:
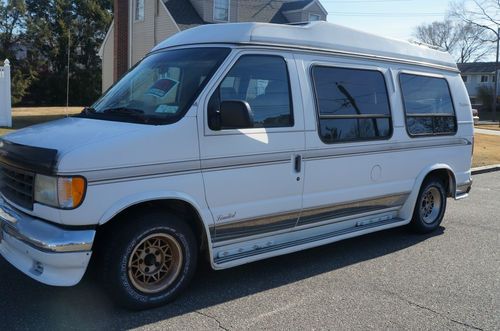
column 315, row 35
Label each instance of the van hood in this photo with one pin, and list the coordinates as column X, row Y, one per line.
column 72, row 145
column 70, row 133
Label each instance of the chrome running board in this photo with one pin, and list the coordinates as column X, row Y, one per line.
column 269, row 246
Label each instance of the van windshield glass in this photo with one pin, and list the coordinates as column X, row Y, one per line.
column 161, row 88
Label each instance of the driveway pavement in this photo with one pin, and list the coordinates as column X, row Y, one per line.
column 389, row 280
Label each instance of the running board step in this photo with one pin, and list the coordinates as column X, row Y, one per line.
column 269, row 246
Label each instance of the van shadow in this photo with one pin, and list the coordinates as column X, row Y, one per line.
column 25, row 303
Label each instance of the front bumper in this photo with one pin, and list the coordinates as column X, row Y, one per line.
column 43, row 251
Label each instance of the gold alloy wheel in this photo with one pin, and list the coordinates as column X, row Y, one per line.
column 155, row 263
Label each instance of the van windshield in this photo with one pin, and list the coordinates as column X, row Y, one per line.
column 161, row 88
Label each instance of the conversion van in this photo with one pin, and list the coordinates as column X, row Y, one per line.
column 237, row 142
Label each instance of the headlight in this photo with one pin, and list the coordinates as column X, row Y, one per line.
column 60, row 192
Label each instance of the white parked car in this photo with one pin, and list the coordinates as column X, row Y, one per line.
column 238, row 142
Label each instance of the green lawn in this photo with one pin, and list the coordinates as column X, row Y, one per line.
column 23, row 117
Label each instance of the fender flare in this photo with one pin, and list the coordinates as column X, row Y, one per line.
column 407, row 210
column 136, row 199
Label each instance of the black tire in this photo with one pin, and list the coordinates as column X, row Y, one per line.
column 431, row 206
column 132, row 235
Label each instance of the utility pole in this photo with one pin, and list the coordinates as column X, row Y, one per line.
column 495, row 92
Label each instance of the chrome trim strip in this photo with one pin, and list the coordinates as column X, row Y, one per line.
column 215, row 164
column 339, row 151
column 139, row 171
column 353, row 54
column 255, row 159
column 315, row 50
column 255, row 226
column 42, row 235
column 337, row 212
column 262, row 250
column 351, row 208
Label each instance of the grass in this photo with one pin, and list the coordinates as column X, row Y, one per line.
column 23, row 117
column 486, row 149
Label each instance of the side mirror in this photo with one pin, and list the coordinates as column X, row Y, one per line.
column 235, row 114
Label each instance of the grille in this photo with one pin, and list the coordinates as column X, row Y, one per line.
column 17, row 186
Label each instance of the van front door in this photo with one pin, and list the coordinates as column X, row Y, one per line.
column 253, row 176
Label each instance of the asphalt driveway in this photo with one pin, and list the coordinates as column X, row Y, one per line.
column 387, row 280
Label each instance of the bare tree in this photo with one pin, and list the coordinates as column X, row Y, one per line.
column 440, row 34
column 482, row 13
column 465, row 41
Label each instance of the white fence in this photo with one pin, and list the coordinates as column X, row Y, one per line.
column 5, row 98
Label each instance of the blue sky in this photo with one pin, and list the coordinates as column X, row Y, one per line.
column 390, row 18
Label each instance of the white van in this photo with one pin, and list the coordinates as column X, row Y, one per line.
column 238, row 142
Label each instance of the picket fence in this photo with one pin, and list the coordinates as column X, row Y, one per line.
column 5, row 96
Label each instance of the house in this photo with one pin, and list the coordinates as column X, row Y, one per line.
column 476, row 75
column 139, row 25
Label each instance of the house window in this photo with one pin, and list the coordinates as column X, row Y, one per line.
column 139, row 10
column 484, row 79
column 428, row 105
column 352, row 104
column 464, row 78
column 493, row 78
column 314, row 17
column 221, row 10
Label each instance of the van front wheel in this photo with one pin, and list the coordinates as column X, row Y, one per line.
column 151, row 259
column 430, row 207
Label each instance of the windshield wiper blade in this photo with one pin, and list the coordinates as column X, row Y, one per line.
column 88, row 110
column 124, row 111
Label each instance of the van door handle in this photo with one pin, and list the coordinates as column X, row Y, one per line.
column 298, row 163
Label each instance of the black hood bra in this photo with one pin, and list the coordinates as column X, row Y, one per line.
column 34, row 159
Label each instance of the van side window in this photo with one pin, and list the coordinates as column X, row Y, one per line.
column 428, row 105
column 263, row 82
column 352, row 104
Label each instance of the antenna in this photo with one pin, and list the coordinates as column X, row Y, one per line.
column 67, row 81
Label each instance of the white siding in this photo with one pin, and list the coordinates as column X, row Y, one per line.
column 294, row 16
column 205, row 9
column 313, row 9
column 165, row 25
column 143, row 33
column 202, row 7
column 154, row 29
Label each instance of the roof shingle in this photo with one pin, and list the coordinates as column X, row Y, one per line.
column 261, row 11
column 184, row 13
column 295, row 5
column 477, row 67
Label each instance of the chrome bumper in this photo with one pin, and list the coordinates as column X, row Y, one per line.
column 463, row 190
column 43, row 251
column 42, row 235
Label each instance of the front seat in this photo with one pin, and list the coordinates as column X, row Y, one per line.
column 273, row 107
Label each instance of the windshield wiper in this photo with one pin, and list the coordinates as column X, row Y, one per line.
column 124, row 111
column 88, row 110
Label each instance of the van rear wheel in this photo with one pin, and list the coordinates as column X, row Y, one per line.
column 151, row 259
column 430, row 208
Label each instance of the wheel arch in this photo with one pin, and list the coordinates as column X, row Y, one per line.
column 179, row 204
column 440, row 170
